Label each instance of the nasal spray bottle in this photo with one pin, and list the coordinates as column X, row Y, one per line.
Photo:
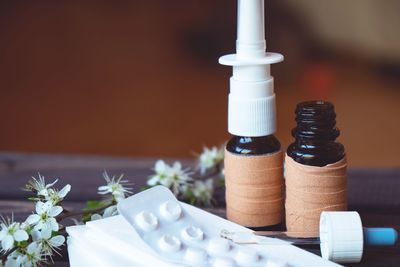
column 253, row 157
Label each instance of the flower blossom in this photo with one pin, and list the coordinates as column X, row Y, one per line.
column 44, row 217
column 173, row 177
column 203, row 190
column 48, row 242
column 45, row 191
column 32, row 256
column 108, row 212
column 117, row 187
column 210, row 158
column 39, row 185
column 10, row 233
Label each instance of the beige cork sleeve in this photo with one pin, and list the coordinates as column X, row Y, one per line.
column 254, row 188
column 311, row 190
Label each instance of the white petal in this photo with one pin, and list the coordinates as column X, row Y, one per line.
column 7, row 242
column 20, row 235
column 103, row 187
column 32, row 219
column 33, row 248
column 160, row 166
column 36, row 235
column 39, row 207
column 54, row 211
column 153, row 181
column 177, row 166
column 47, row 206
column 39, row 226
column 12, row 263
column 46, row 233
column 52, row 224
column 53, row 183
column 110, row 211
column 63, row 192
column 95, row 217
column 57, row 241
column 3, row 232
column 166, row 182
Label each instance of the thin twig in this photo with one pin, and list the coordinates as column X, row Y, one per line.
column 216, row 171
column 82, row 212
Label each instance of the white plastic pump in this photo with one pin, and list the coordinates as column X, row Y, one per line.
column 252, row 110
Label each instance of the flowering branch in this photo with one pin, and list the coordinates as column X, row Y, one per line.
column 83, row 212
column 34, row 241
column 197, row 189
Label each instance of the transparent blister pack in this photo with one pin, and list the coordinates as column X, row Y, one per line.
column 173, row 234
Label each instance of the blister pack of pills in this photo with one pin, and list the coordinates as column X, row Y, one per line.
column 174, row 235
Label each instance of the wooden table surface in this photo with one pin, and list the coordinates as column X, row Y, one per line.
column 375, row 193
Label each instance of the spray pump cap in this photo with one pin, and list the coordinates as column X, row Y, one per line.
column 252, row 109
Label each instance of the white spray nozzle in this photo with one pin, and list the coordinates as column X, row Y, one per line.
column 250, row 30
column 252, row 98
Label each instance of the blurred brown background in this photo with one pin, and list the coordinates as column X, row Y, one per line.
column 141, row 78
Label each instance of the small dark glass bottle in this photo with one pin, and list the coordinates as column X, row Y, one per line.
column 253, row 145
column 256, row 146
column 315, row 135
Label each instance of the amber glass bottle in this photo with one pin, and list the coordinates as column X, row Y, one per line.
column 315, row 135
column 253, row 145
column 256, row 146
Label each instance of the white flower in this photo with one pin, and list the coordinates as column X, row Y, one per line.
column 96, row 217
column 15, row 259
column 56, row 196
column 45, row 216
column 173, row 177
column 39, row 185
column 161, row 172
column 48, row 242
column 10, row 233
column 203, row 190
column 117, row 187
column 210, row 158
column 33, row 255
column 108, row 212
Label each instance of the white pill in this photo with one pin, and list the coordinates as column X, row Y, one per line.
column 246, row 256
column 192, row 233
column 169, row 243
column 171, row 210
column 276, row 263
column 147, row 221
column 218, row 246
column 196, row 256
column 223, row 262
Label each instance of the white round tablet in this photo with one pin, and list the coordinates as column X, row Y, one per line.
column 247, row 256
column 171, row 210
column 147, row 221
column 196, row 256
column 169, row 243
column 192, row 233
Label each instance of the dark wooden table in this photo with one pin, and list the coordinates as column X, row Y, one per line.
column 375, row 193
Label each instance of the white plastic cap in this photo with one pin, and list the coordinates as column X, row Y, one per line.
column 252, row 109
column 341, row 235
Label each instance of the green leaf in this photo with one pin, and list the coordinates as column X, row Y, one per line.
column 86, row 217
column 95, row 204
column 145, row 187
